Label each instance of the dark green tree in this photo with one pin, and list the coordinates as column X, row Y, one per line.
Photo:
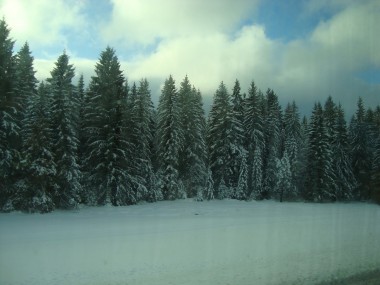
column 169, row 138
column 65, row 141
column 108, row 148
column 218, row 139
column 343, row 174
column 40, row 167
column 192, row 155
column 319, row 179
column 273, row 142
column 253, row 125
column 9, row 124
column 142, row 114
column 360, row 152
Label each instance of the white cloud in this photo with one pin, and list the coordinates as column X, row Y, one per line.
column 145, row 21
column 211, row 41
column 83, row 66
column 210, row 59
column 327, row 63
column 42, row 22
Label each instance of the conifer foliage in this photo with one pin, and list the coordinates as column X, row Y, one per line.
column 64, row 139
column 9, row 125
column 170, row 137
column 105, row 143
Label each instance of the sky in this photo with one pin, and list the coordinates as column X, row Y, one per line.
column 303, row 50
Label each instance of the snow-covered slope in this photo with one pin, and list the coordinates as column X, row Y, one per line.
column 186, row 242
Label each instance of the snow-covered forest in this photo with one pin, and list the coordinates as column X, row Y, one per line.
column 63, row 143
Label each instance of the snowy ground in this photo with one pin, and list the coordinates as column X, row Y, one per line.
column 186, row 242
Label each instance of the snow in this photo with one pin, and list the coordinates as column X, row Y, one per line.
column 187, row 242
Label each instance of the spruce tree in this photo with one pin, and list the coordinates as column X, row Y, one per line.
column 237, row 138
column 253, row 124
column 108, row 150
column 65, row 141
column 292, row 146
column 242, row 185
column 284, row 189
column 24, row 89
column 192, row 155
column 170, row 137
column 344, row 178
column 40, row 167
column 9, row 124
column 319, row 177
column 219, row 127
column 143, row 113
column 273, row 143
column 360, row 152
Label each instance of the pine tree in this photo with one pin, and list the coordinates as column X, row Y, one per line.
column 9, row 124
column 143, row 113
column 253, row 123
column 219, row 127
column 40, row 168
column 319, row 180
column 272, row 137
column 65, row 141
column 360, row 153
column 242, row 186
column 192, row 156
column 24, row 88
column 303, row 158
column 208, row 192
column 376, row 159
column 284, row 189
column 257, row 175
column 292, row 146
column 108, row 149
column 170, row 137
column 26, row 82
column 344, row 178
column 237, row 138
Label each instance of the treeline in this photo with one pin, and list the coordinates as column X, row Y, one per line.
column 62, row 144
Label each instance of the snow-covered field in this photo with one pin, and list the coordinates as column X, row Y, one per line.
column 186, row 242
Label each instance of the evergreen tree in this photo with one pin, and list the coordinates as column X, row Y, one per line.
column 108, row 149
column 208, row 192
column 40, row 168
column 303, row 157
column 9, row 124
column 65, row 141
column 242, row 186
column 24, row 89
column 319, row 180
column 272, row 137
column 170, row 137
column 360, row 152
column 253, row 123
column 257, row 175
column 192, row 156
column 219, row 127
column 376, row 159
column 237, row 138
column 292, row 146
column 26, row 82
column 344, row 178
column 284, row 188
column 143, row 116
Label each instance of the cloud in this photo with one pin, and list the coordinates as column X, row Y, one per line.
column 83, row 66
column 327, row 62
column 211, row 41
column 42, row 22
column 146, row 21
